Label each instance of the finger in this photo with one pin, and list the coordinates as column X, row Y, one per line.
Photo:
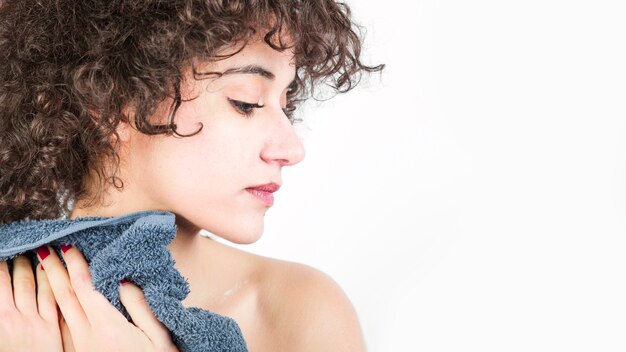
column 46, row 304
column 62, row 289
column 6, row 290
column 135, row 303
column 24, row 285
column 66, row 336
column 95, row 305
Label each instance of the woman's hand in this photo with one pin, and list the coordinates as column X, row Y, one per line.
column 89, row 321
column 28, row 319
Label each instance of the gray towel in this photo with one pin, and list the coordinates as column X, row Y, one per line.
column 131, row 246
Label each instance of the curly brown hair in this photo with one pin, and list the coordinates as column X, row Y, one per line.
column 71, row 70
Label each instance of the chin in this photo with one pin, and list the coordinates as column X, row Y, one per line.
column 239, row 230
column 241, row 239
column 246, row 235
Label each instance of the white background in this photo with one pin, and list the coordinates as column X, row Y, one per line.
column 473, row 197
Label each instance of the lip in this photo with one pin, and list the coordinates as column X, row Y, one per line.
column 264, row 192
column 268, row 187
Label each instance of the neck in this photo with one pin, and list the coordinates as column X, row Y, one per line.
column 187, row 234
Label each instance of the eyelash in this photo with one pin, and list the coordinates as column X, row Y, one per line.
column 246, row 109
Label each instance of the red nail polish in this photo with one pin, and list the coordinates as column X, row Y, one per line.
column 66, row 247
column 43, row 252
column 124, row 281
column 42, row 269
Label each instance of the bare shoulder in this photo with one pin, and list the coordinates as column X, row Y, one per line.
column 279, row 305
column 307, row 309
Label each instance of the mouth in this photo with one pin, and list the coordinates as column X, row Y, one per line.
column 264, row 192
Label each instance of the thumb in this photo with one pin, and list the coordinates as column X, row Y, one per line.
column 135, row 303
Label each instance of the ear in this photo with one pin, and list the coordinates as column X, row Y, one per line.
column 124, row 129
column 125, row 126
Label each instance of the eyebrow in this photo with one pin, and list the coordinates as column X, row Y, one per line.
column 250, row 69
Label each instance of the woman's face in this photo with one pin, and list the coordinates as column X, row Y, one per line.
column 203, row 178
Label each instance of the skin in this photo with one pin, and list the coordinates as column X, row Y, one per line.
column 30, row 321
column 279, row 305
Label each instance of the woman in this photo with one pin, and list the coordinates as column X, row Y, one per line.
column 181, row 106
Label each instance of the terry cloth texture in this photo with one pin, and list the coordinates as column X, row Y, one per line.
column 131, row 246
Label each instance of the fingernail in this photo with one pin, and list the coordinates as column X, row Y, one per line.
column 124, row 281
column 43, row 252
column 66, row 247
column 42, row 269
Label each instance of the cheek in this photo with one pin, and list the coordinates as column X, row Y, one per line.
column 217, row 163
column 206, row 162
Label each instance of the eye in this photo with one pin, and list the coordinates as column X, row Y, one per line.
column 244, row 108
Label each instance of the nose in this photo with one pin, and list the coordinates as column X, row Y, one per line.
column 283, row 145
